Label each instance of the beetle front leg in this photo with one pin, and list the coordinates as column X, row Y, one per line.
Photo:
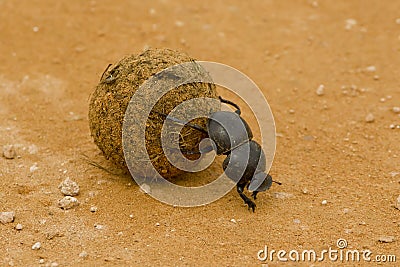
column 247, row 200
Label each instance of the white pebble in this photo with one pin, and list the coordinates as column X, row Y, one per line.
column 324, row 202
column 296, row 221
column 131, row 216
column 99, row 226
column 9, row 152
column 179, row 23
column 69, row 187
column 68, row 202
column 398, row 21
column 346, row 210
column 35, row 29
column 370, row 118
column 350, row 23
column 34, row 167
column 93, row 209
column 291, row 111
column 157, row 224
column 7, row 217
column 54, row 264
column 33, row 149
column 397, row 205
column 320, row 90
column 392, row 126
column 37, row 246
column 83, row 254
column 233, row 221
column 386, row 239
column 370, row 69
column 19, row 227
column 282, row 195
column 396, row 109
column 41, row 261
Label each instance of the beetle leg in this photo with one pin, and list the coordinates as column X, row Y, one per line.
column 254, row 194
column 238, row 111
column 194, row 126
column 247, row 200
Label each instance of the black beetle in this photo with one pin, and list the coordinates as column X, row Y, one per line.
column 245, row 161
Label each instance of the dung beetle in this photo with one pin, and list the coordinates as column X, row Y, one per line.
column 232, row 136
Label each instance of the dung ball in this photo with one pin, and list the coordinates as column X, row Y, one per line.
column 112, row 95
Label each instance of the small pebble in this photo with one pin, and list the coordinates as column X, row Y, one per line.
column 7, row 217
column 392, row 126
column 9, row 152
column 34, row 167
column 324, row 202
column 41, row 261
column 83, row 254
column 291, row 111
column 320, row 90
column 36, row 246
column 179, row 23
column 397, row 205
column 19, row 227
column 233, row 221
column 131, row 216
column 296, row 221
column 369, row 118
column 33, row 149
column 35, row 29
column 398, row 21
column 68, row 202
column 346, row 210
column 370, row 69
column 350, row 23
column 386, row 239
column 93, row 209
column 69, row 187
column 157, row 224
column 396, row 109
column 99, row 226
column 54, row 264
column 282, row 195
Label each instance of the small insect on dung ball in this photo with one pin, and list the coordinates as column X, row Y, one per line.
column 112, row 95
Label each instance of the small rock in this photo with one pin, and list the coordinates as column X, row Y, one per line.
column 34, row 167
column 397, row 205
column 386, row 239
column 350, row 23
column 99, row 226
column 346, row 210
column 370, row 118
column 9, row 152
column 37, row 246
column 93, row 209
column 41, row 261
column 83, row 254
column 69, row 187
column 398, row 21
column 157, row 224
column 35, row 29
column 33, row 149
column 7, row 217
column 54, row 264
column 19, row 227
column 396, row 109
column 296, row 221
column 291, row 111
column 282, row 195
column 233, row 221
column 320, row 90
column 68, row 202
column 324, row 202
column 131, row 216
column 370, row 69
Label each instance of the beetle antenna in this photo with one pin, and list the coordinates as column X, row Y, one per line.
column 277, row 182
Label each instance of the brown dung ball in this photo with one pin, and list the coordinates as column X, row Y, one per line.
column 112, row 95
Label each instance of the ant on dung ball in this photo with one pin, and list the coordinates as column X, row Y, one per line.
column 232, row 137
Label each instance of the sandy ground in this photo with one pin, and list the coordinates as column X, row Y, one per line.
column 52, row 55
